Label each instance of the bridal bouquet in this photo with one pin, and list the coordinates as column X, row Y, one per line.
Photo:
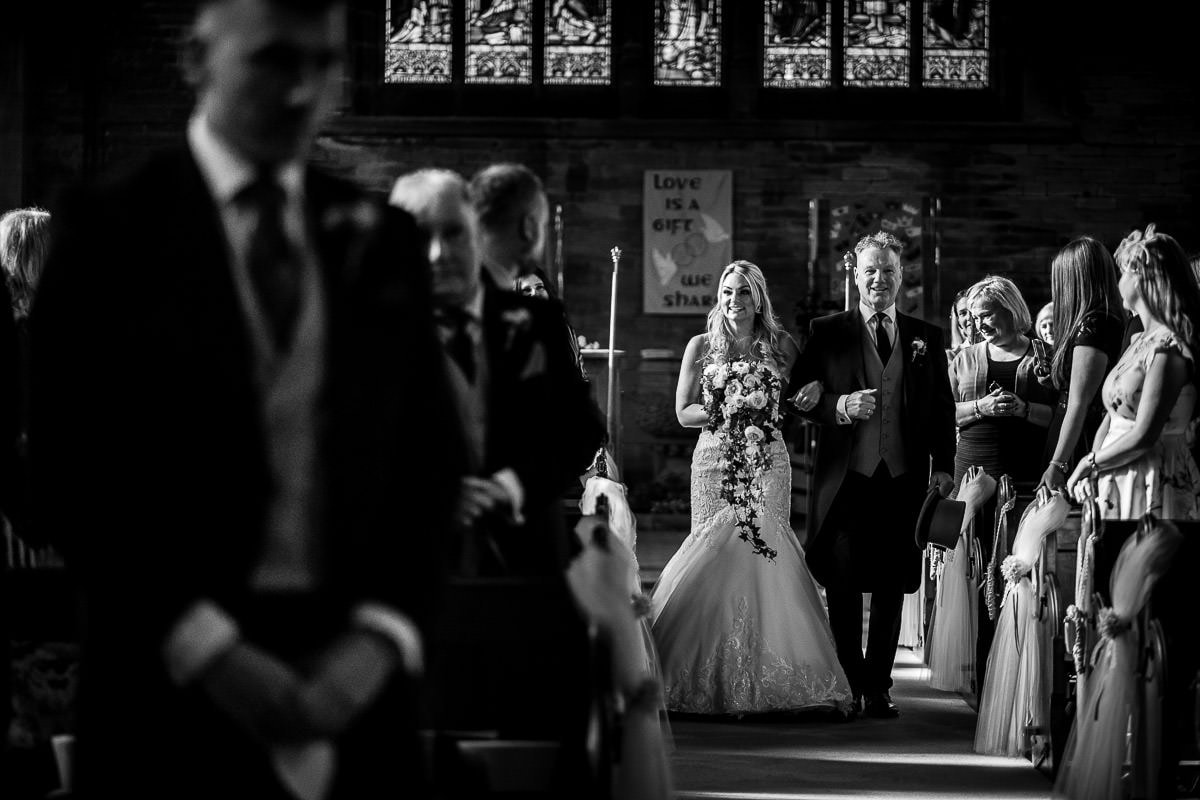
column 737, row 398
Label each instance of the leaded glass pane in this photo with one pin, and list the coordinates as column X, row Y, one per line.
column 499, row 36
column 877, row 40
column 796, row 50
column 578, row 42
column 687, row 42
column 957, row 37
column 418, row 41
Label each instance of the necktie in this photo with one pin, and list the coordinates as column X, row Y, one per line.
column 458, row 341
column 271, row 260
column 883, row 345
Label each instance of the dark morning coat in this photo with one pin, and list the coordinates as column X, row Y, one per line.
column 149, row 453
column 834, row 356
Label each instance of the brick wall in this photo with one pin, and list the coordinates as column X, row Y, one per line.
column 1103, row 138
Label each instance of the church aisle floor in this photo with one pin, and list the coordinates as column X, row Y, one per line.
column 923, row 755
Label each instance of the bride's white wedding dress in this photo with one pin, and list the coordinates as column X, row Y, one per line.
column 736, row 632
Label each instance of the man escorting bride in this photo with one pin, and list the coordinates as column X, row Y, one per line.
column 736, row 616
column 887, row 418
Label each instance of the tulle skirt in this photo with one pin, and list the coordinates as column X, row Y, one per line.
column 952, row 635
column 1096, row 749
column 1016, row 688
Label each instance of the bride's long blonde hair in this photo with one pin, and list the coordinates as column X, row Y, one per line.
column 767, row 334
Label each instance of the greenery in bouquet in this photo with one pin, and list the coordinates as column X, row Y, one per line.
column 737, row 399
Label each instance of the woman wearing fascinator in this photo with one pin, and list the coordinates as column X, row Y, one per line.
column 737, row 617
column 1140, row 454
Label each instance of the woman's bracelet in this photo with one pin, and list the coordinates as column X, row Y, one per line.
column 1091, row 459
column 1026, row 414
column 1061, row 466
column 978, row 413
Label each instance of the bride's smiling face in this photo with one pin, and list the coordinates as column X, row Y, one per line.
column 737, row 301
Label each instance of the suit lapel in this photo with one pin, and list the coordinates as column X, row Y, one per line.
column 853, row 334
column 906, row 330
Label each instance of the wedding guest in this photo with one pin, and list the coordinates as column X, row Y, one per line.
column 505, row 357
column 260, row 431
column 537, row 285
column 513, row 214
column 1000, row 408
column 1044, row 327
column 891, row 440
column 962, row 327
column 1141, row 454
column 22, row 249
column 24, row 241
column 1087, row 336
column 500, row 349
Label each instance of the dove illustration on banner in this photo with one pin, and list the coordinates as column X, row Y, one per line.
column 664, row 265
column 713, row 231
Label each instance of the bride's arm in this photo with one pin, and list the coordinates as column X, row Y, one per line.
column 690, row 413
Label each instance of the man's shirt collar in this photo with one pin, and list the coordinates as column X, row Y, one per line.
column 226, row 172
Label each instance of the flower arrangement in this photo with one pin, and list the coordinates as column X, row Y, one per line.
column 738, row 401
column 918, row 350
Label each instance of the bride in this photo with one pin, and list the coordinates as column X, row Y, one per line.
column 737, row 619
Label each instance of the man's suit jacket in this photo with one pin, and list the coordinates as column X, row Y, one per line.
column 834, row 356
column 542, row 421
column 149, row 450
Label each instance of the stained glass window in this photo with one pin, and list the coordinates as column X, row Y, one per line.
column 499, row 41
column 956, row 44
column 418, row 41
column 578, row 42
column 796, row 51
column 687, row 42
column 877, row 42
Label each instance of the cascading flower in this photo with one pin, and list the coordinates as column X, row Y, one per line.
column 736, row 398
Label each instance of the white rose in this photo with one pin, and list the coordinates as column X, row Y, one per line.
column 756, row 399
column 718, row 380
column 741, row 367
column 710, row 370
column 733, row 387
column 750, row 381
column 754, row 433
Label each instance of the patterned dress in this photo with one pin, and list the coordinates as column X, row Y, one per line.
column 738, row 633
column 1165, row 479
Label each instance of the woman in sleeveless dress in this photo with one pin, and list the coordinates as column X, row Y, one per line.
column 737, row 618
column 1141, row 454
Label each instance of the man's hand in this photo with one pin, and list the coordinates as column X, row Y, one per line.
column 942, row 481
column 258, row 692
column 861, row 404
column 478, row 497
column 808, row 396
column 347, row 680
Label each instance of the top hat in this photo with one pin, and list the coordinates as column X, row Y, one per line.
column 940, row 521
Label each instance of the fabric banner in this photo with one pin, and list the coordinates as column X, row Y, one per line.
column 687, row 229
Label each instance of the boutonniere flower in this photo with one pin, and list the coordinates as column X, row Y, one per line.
column 918, row 349
column 361, row 215
column 516, row 320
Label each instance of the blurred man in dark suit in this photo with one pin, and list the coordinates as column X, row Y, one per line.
column 237, row 431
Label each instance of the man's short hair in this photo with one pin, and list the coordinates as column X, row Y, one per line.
column 881, row 239
column 503, row 193
column 411, row 188
column 307, row 6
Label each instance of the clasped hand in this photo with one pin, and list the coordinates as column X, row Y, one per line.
column 478, row 497
column 1002, row 403
column 861, row 404
column 808, row 396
